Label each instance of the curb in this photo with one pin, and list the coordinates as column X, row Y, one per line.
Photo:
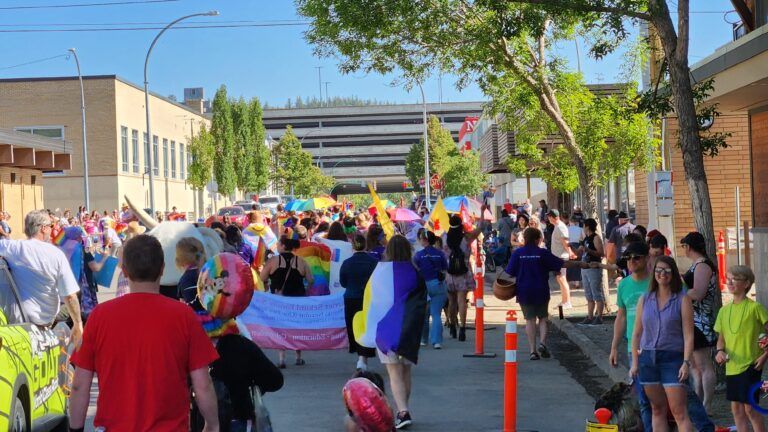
column 597, row 355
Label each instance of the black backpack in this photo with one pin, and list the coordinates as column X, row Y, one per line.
column 457, row 264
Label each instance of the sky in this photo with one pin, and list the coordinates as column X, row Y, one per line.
column 272, row 63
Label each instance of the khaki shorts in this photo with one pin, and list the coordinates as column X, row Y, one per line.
column 456, row 283
column 392, row 358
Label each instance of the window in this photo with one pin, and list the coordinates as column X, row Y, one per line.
column 56, row 132
column 156, row 155
column 182, row 162
column 165, row 157
column 124, row 147
column 135, row 148
column 173, row 159
column 146, row 153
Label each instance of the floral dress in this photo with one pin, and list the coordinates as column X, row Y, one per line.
column 705, row 310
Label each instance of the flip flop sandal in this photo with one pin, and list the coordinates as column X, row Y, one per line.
column 300, row 362
column 535, row 356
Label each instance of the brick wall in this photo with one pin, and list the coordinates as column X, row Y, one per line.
column 729, row 169
column 641, row 198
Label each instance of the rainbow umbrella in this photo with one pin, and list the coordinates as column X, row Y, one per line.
column 316, row 204
column 473, row 206
column 293, row 205
column 403, row 215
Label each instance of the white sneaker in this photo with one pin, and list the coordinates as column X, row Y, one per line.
column 566, row 305
column 437, row 346
column 362, row 366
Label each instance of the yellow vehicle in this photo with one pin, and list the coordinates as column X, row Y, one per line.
column 34, row 367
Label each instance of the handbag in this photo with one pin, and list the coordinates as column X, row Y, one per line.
column 262, row 421
column 504, row 289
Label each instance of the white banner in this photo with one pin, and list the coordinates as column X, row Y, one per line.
column 340, row 251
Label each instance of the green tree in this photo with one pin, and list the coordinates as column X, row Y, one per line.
column 244, row 146
column 261, row 158
column 314, row 182
column 291, row 162
column 202, row 151
column 463, row 174
column 505, row 46
column 223, row 132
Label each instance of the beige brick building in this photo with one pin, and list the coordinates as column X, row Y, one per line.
column 117, row 143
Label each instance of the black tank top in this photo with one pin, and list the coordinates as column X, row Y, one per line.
column 589, row 243
column 287, row 277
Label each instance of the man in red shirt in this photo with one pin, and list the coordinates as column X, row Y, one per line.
column 144, row 348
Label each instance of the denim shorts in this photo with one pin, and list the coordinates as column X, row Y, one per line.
column 658, row 367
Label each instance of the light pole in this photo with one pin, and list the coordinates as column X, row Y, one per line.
column 86, row 190
column 426, row 151
column 150, row 153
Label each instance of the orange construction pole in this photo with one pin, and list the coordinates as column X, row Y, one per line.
column 510, row 373
column 479, row 308
column 721, row 260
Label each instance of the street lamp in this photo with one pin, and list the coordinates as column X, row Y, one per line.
column 150, row 153
column 426, row 151
column 86, row 190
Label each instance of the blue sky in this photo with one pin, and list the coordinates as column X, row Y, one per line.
column 273, row 63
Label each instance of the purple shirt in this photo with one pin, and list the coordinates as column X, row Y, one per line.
column 663, row 329
column 531, row 266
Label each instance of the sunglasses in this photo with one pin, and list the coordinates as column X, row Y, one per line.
column 663, row 271
column 635, row 257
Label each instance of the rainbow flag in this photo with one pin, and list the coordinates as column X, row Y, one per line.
column 318, row 257
column 70, row 241
column 261, row 239
column 394, row 305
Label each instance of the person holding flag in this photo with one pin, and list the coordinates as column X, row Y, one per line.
column 459, row 279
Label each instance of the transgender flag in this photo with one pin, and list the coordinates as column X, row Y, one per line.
column 394, row 305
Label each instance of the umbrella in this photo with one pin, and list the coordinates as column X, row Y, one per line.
column 386, row 203
column 403, row 215
column 473, row 206
column 316, row 204
column 293, row 205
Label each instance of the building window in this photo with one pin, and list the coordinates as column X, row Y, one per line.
column 182, row 162
column 155, row 155
column 165, row 157
column 135, row 148
column 124, row 146
column 173, row 159
column 56, row 132
column 146, row 153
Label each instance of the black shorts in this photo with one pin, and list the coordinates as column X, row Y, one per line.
column 737, row 386
column 533, row 311
column 699, row 340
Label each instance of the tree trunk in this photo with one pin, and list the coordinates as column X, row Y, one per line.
column 589, row 193
column 690, row 145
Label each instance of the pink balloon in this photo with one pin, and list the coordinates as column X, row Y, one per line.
column 230, row 280
column 368, row 405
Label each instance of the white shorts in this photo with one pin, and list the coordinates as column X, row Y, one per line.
column 392, row 358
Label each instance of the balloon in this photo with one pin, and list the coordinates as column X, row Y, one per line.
column 225, row 286
column 367, row 405
column 603, row 415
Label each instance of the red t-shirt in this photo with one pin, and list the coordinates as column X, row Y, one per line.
column 143, row 347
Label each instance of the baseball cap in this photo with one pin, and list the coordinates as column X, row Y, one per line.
column 553, row 213
column 633, row 249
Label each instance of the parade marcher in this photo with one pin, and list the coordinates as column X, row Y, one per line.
column 336, row 232
column 42, row 274
column 180, row 352
column 353, row 276
column 738, row 349
column 398, row 366
column 459, row 279
column 592, row 278
column 375, row 242
column 88, row 287
column 190, row 256
column 662, row 345
column 562, row 249
column 432, row 265
column 235, row 239
column 531, row 265
column 286, row 273
column 703, row 289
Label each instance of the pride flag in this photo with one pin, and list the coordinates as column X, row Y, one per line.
column 340, row 252
column 261, row 239
column 386, row 224
column 318, row 257
column 394, row 305
column 439, row 221
column 70, row 241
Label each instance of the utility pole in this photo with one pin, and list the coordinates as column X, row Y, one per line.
column 327, row 98
column 320, row 82
column 86, row 189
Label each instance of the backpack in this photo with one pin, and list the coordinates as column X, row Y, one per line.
column 457, row 264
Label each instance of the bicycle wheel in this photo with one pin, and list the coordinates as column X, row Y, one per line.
column 758, row 397
column 490, row 264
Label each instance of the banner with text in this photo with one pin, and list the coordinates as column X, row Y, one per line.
column 296, row 323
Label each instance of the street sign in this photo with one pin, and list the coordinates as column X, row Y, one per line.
column 435, row 182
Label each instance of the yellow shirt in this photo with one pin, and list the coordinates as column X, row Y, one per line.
column 741, row 325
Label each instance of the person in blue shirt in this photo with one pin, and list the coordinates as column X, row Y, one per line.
column 353, row 275
column 531, row 265
column 432, row 264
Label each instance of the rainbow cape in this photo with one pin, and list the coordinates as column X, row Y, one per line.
column 394, row 305
column 318, row 257
column 261, row 239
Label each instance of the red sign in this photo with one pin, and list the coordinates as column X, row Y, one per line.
column 467, row 127
column 435, row 182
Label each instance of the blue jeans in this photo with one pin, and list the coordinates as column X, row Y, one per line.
column 437, row 297
column 696, row 411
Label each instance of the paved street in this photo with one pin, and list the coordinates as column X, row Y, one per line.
column 450, row 392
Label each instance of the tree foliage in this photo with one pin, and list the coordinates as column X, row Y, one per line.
column 503, row 45
column 261, row 158
column 336, row 101
column 243, row 146
column 222, row 129
column 459, row 170
column 293, row 167
column 203, row 153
